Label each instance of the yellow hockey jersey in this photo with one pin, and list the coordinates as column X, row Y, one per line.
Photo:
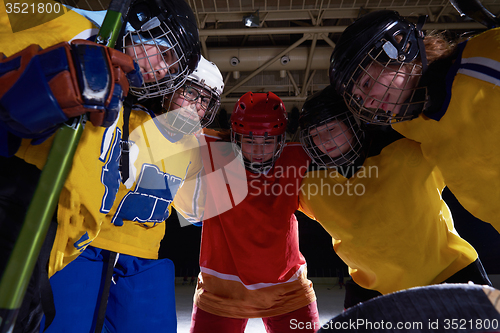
column 45, row 34
column 95, row 206
column 388, row 222
column 463, row 142
column 128, row 219
column 61, row 29
column 166, row 170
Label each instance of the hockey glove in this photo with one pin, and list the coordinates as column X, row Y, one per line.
column 40, row 89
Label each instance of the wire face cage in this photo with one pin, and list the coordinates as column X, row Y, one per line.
column 382, row 91
column 157, row 52
column 191, row 107
column 259, row 152
column 333, row 142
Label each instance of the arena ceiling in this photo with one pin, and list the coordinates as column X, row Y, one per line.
column 288, row 48
column 288, row 51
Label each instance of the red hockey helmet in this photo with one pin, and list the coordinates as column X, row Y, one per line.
column 258, row 114
column 258, row 125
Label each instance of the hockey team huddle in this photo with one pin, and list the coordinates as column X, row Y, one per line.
column 408, row 105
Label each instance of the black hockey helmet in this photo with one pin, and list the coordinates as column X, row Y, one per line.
column 169, row 25
column 378, row 46
column 476, row 11
column 371, row 33
column 325, row 122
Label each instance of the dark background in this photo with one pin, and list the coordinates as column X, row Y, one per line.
column 182, row 244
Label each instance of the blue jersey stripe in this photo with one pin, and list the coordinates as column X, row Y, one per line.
column 481, row 68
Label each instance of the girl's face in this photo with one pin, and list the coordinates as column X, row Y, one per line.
column 190, row 102
column 385, row 88
column 155, row 61
column 333, row 138
column 258, row 149
column 184, row 109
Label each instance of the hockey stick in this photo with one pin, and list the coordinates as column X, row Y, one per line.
column 14, row 282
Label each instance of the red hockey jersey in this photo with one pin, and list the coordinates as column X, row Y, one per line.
column 250, row 261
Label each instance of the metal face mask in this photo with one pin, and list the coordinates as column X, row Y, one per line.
column 259, row 152
column 162, row 37
column 191, row 108
column 385, row 91
column 333, row 142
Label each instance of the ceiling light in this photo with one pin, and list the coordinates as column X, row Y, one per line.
column 252, row 20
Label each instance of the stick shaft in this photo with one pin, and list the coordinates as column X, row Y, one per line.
column 22, row 260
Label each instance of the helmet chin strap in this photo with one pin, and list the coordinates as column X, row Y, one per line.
column 125, row 143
